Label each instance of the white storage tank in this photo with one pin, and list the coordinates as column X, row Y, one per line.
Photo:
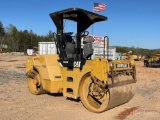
column 29, row 51
column 110, row 53
column 47, row 48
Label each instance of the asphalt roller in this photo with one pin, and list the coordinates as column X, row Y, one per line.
column 103, row 93
column 99, row 83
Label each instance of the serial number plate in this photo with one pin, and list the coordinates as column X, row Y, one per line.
column 121, row 65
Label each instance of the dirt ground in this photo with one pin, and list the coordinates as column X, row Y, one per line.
column 17, row 103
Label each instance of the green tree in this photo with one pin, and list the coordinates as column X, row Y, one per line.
column 2, row 33
column 12, row 37
column 49, row 36
column 1, row 29
column 15, row 39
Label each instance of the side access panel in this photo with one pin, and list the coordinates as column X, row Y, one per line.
column 50, row 72
column 72, row 78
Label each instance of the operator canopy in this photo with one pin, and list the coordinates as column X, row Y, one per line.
column 83, row 18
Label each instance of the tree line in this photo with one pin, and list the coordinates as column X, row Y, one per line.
column 14, row 40
column 138, row 51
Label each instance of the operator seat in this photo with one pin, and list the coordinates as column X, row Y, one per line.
column 87, row 47
column 70, row 46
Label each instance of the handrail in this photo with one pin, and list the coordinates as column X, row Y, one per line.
column 106, row 39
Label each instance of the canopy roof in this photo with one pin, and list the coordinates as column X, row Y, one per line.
column 83, row 18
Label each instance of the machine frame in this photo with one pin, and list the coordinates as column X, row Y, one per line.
column 100, row 84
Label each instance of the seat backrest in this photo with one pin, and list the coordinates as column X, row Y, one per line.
column 70, row 46
column 68, row 38
column 70, row 49
column 88, row 39
column 87, row 50
column 87, row 47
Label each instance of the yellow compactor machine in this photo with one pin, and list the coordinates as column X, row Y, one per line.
column 99, row 83
column 129, row 55
column 152, row 61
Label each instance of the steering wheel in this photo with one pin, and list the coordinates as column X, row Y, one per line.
column 84, row 33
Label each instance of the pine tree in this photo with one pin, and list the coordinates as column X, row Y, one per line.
column 1, row 34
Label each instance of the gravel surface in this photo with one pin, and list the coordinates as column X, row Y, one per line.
column 7, row 75
column 17, row 103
